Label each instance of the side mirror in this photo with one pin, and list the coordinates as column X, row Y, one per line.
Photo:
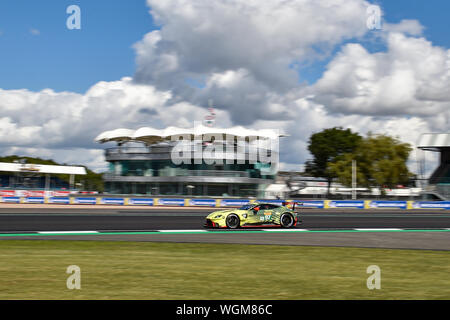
column 255, row 210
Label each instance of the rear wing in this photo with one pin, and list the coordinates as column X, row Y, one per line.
column 293, row 204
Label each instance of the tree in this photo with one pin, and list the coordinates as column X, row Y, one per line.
column 328, row 146
column 381, row 161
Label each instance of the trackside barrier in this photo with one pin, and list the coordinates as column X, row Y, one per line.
column 34, row 200
column 232, row 203
column 116, row 201
column 431, row 205
column 171, row 202
column 33, row 193
column 320, row 204
column 11, row 199
column 140, row 201
column 78, row 200
column 59, row 200
column 387, row 204
column 345, row 204
column 202, row 202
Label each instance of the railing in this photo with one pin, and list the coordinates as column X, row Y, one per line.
column 444, row 190
column 111, row 151
column 168, row 149
column 182, row 173
column 216, row 173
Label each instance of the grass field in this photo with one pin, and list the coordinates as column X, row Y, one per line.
column 131, row 270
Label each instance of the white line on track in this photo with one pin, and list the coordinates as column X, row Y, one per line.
column 182, row 230
column 283, row 230
column 66, row 232
column 378, row 229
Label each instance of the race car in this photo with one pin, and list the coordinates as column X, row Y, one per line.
column 259, row 215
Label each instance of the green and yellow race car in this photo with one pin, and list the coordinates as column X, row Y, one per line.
column 256, row 215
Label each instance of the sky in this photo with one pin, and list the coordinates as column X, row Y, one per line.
column 158, row 62
column 63, row 59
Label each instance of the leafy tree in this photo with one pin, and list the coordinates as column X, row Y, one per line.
column 328, row 146
column 381, row 161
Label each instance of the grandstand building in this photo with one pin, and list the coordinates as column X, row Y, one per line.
column 219, row 162
column 438, row 142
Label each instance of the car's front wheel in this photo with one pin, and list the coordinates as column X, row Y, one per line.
column 233, row 221
column 287, row 220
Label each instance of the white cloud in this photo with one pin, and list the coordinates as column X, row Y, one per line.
column 410, row 79
column 410, row 27
column 65, row 122
column 35, row 32
column 243, row 50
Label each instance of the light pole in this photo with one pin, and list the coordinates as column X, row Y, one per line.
column 354, row 179
column 190, row 188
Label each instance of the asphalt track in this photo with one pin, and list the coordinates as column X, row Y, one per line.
column 356, row 228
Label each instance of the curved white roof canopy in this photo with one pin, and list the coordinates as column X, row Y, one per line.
column 41, row 168
column 434, row 140
column 115, row 135
column 152, row 136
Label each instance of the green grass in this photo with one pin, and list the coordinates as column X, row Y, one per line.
column 130, row 270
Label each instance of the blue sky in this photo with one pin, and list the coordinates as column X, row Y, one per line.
column 63, row 59
column 74, row 60
column 432, row 14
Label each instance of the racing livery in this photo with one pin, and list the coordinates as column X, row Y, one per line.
column 253, row 215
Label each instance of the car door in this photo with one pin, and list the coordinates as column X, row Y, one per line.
column 254, row 215
column 265, row 214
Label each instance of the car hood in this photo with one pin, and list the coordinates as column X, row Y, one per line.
column 222, row 212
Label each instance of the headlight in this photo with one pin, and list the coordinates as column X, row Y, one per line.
column 218, row 216
column 245, row 215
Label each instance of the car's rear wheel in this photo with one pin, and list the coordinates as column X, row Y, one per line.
column 287, row 220
column 233, row 221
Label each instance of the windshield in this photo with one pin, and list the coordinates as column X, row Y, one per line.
column 246, row 207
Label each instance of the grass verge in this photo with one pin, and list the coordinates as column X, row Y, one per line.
column 145, row 270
